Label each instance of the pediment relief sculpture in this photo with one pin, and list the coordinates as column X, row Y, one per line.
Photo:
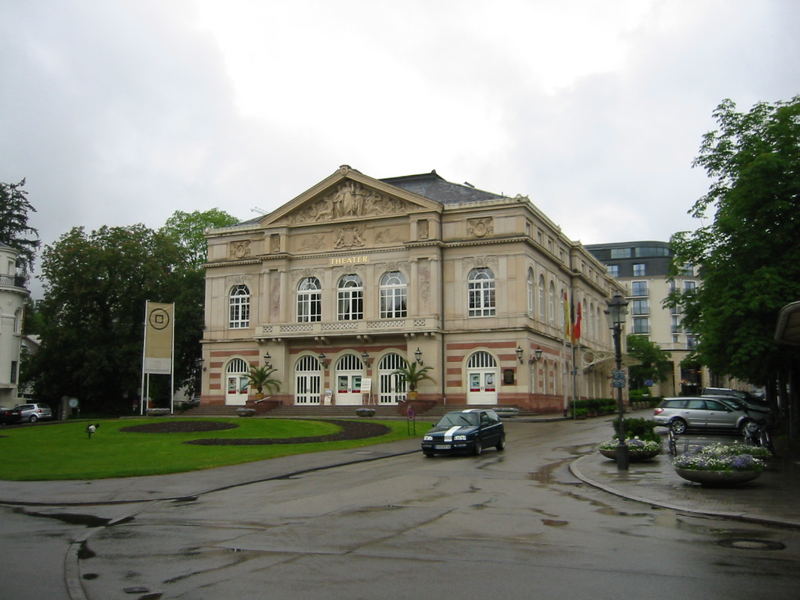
column 350, row 199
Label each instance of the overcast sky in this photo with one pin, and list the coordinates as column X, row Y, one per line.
column 120, row 112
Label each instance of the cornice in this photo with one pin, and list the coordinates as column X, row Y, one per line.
column 232, row 263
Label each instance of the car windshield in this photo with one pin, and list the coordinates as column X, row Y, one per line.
column 457, row 419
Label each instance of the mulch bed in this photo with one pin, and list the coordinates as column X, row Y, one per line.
column 350, row 430
column 179, row 427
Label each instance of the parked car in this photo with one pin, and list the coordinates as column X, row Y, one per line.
column 31, row 412
column 7, row 416
column 679, row 414
column 743, row 396
column 465, row 431
column 760, row 413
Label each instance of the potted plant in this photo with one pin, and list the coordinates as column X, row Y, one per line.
column 413, row 374
column 638, row 450
column 721, row 464
column 260, row 378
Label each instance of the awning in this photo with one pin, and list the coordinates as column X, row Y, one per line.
column 788, row 329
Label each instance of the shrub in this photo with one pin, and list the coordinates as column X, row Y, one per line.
column 638, row 428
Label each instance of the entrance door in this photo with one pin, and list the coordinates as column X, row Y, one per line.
column 392, row 387
column 236, row 383
column 349, row 371
column 481, row 379
column 307, row 377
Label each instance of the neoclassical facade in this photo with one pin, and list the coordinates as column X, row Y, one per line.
column 357, row 277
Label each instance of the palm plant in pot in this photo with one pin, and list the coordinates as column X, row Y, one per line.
column 260, row 378
column 413, row 374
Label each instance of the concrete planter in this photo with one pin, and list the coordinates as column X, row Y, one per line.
column 633, row 454
column 365, row 412
column 158, row 412
column 717, row 478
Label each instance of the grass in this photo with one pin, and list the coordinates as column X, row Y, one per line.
column 63, row 451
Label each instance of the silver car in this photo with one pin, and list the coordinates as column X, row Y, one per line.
column 679, row 414
column 32, row 412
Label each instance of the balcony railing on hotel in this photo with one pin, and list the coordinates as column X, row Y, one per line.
column 13, row 281
column 334, row 328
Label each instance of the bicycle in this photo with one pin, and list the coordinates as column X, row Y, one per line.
column 673, row 443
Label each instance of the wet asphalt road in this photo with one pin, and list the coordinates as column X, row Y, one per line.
column 514, row 524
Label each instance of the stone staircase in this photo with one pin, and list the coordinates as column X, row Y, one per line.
column 332, row 412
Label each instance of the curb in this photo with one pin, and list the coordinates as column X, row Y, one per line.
column 575, row 470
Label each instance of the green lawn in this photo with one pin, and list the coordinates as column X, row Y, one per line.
column 63, row 451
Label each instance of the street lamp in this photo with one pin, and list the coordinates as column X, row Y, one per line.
column 418, row 356
column 616, row 313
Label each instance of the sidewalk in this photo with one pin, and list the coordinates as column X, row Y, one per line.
column 772, row 498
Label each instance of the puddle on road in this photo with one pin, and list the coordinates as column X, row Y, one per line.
column 69, row 518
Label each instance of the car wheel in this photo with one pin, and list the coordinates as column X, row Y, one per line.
column 743, row 427
column 501, row 444
column 33, row 419
column 678, row 426
column 477, row 448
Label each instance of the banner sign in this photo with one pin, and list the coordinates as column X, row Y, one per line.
column 158, row 337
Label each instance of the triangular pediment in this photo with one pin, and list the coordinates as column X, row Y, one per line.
column 348, row 195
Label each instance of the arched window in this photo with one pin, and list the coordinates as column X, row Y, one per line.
column 394, row 295
column 239, row 307
column 551, row 304
column 531, row 292
column 542, row 303
column 480, row 287
column 309, row 300
column 350, row 298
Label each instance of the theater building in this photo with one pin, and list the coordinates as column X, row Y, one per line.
column 357, row 277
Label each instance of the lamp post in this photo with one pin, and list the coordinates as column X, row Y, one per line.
column 616, row 313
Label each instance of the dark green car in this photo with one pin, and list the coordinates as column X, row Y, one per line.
column 465, row 432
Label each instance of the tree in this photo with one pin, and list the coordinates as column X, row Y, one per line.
column 14, row 228
column 749, row 256
column 92, row 315
column 188, row 229
column 654, row 363
column 95, row 287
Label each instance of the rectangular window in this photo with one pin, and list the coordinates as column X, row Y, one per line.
column 638, row 288
column 639, row 270
column 689, row 286
column 13, row 371
column 641, row 325
column 613, row 270
column 620, row 253
column 640, row 307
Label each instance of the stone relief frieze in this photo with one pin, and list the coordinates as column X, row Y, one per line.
column 388, row 235
column 480, row 227
column 350, row 237
column 349, row 199
column 239, row 250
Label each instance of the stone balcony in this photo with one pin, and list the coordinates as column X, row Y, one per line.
column 365, row 328
column 15, row 281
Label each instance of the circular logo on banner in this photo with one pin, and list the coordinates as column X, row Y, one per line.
column 159, row 318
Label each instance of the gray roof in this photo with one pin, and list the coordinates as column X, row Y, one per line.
column 434, row 187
